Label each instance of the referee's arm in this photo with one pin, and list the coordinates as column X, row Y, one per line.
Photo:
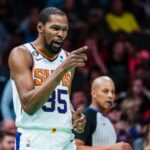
column 118, row 146
column 81, row 146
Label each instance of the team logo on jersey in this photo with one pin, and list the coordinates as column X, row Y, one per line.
column 61, row 58
column 40, row 76
column 35, row 53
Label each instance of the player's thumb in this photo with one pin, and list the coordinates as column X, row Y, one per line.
column 78, row 111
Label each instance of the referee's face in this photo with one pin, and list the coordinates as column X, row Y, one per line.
column 104, row 95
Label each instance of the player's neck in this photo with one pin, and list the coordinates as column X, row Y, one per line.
column 95, row 107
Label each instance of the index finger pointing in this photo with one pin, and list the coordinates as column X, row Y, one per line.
column 80, row 50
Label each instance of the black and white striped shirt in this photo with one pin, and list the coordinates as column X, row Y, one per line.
column 98, row 129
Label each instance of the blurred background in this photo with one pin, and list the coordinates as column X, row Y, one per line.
column 117, row 33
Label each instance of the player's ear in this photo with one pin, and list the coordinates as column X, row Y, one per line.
column 40, row 27
column 93, row 93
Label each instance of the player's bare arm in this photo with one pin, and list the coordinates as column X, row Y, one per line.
column 78, row 119
column 32, row 98
column 118, row 146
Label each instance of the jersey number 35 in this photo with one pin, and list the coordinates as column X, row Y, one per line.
column 51, row 103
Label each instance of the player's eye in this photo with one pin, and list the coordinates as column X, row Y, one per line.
column 56, row 28
column 113, row 92
column 65, row 29
column 105, row 90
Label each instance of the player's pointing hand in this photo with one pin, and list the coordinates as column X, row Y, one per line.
column 75, row 59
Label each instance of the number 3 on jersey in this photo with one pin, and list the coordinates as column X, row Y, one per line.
column 62, row 108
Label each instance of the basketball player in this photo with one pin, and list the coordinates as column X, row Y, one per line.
column 99, row 133
column 41, row 73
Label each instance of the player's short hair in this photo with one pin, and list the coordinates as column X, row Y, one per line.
column 47, row 12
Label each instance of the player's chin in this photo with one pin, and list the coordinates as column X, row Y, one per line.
column 55, row 50
column 107, row 109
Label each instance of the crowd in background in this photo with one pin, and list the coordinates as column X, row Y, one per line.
column 117, row 33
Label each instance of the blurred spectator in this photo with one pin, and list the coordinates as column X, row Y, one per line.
column 80, row 76
column 139, row 95
column 121, row 128
column 121, row 125
column 130, row 108
column 135, row 103
column 146, row 145
column 79, row 28
column 4, row 76
column 93, row 73
column 8, row 125
column 7, row 102
column 96, row 22
column 1, row 139
column 138, row 144
column 134, row 121
column 8, row 141
column 143, row 143
column 83, row 7
column 119, row 19
column 147, row 115
column 5, row 8
column 79, row 100
column 144, row 54
column 4, row 71
column 118, row 65
column 94, row 57
column 69, row 7
column 144, row 57
column 28, row 25
column 115, row 115
column 132, row 57
column 5, row 35
column 13, row 41
column 145, row 4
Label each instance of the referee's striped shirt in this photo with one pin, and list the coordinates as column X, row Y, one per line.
column 98, row 129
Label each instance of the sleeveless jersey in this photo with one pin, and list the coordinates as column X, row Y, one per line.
column 55, row 113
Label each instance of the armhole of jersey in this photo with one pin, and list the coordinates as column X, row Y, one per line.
column 32, row 64
column 92, row 116
column 32, row 59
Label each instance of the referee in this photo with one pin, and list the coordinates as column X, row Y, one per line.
column 99, row 133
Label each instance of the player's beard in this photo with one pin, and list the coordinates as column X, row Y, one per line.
column 52, row 48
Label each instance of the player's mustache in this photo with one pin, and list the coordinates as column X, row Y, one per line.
column 59, row 41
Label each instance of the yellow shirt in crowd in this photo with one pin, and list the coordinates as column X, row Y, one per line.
column 125, row 22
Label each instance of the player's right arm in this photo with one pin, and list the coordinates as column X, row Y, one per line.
column 32, row 99
column 118, row 146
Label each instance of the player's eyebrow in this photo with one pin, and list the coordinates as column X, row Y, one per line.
column 59, row 26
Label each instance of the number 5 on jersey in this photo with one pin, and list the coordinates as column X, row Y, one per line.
column 62, row 108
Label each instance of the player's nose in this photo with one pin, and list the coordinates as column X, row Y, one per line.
column 60, row 33
column 110, row 94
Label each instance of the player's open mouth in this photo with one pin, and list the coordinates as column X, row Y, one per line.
column 110, row 104
column 58, row 43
